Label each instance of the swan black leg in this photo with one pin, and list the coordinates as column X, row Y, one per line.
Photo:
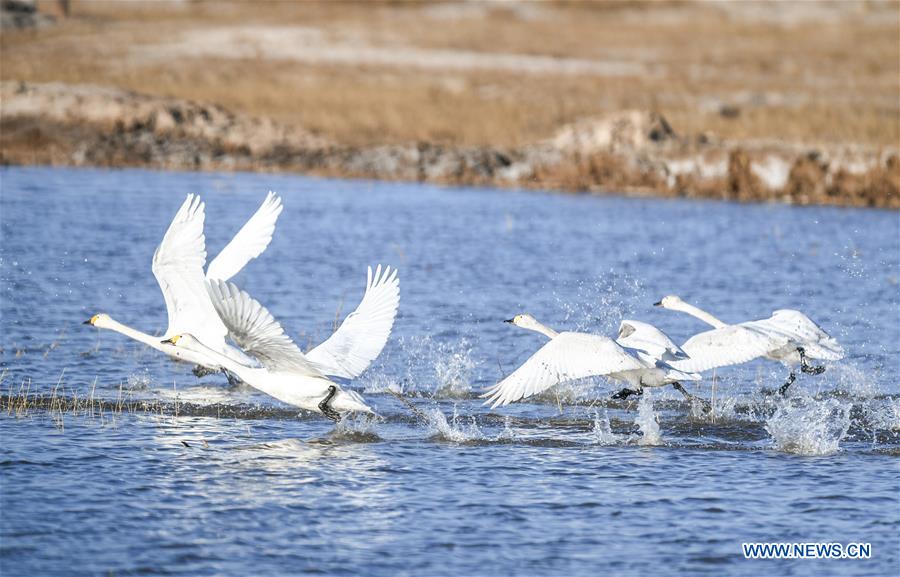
column 787, row 385
column 325, row 408
column 201, row 371
column 706, row 406
column 233, row 379
column 626, row 392
column 806, row 367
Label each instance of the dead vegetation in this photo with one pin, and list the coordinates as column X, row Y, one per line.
column 484, row 82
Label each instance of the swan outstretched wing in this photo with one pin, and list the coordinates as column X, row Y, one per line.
column 730, row 345
column 363, row 334
column 567, row 357
column 249, row 242
column 254, row 330
column 802, row 331
column 178, row 268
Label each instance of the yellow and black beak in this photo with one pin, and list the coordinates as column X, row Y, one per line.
column 172, row 341
column 91, row 320
column 510, row 320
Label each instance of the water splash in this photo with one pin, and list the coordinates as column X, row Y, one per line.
column 854, row 380
column 805, row 426
column 446, row 367
column 878, row 417
column 507, row 434
column 648, row 421
column 600, row 305
column 139, row 380
column 456, row 429
column 603, row 434
column 357, row 427
column 453, row 369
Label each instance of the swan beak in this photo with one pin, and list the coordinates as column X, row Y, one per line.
column 659, row 304
column 87, row 322
column 171, row 341
column 509, row 320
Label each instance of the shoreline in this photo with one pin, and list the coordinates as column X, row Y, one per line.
column 631, row 152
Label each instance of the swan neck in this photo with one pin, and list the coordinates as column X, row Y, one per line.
column 701, row 314
column 135, row 334
column 544, row 330
column 223, row 361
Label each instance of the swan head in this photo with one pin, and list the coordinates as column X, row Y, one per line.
column 669, row 302
column 183, row 341
column 524, row 320
column 100, row 320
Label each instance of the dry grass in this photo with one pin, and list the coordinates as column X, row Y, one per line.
column 813, row 78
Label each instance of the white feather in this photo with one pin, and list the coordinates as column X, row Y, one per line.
column 362, row 336
column 249, row 242
column 256, row 331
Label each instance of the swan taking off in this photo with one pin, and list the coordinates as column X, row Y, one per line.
column 640, row 357
column 788, row 336
column 284, row 372
column 178, row 267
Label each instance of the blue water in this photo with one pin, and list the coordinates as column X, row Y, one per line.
column 175, row 475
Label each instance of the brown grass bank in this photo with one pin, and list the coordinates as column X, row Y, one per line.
column 793, row 101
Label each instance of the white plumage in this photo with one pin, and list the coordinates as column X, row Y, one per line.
column 178, row 267
column 727, row 346
column 256, row 331
column 362, row 336
column 788, row 336
column 249, row 242
column 637, row 357
column 285, row 372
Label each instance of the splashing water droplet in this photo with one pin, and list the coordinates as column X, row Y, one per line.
column 453, row 430
column 647, row 421
column 805, row 426
column 603, row 434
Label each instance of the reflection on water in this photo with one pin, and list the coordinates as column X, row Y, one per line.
column 117, row 460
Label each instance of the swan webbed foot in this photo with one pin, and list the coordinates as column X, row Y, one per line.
column 693, row 398
column 791, row 378
column 626, row 392
column 201, row 371
column 325, row 408
column 232, row 378
column 806, row 367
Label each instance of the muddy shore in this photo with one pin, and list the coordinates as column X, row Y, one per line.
column 632, row 152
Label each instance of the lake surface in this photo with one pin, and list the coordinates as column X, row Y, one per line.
column 118, row 461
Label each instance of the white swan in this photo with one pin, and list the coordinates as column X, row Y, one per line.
column 788, row 336
column 285, row 372
column 178, row 267
column 640, row 356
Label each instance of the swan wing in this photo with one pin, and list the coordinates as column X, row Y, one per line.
column 256, row 331
column 730, row 345
column 649, row 340
column 569, row 356
column 178, row 268
column 361, row 337
column 802, row 331
column 249, row 242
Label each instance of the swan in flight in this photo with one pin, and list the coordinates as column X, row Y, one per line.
column 788, row 336
column 641, row 356
column 178, row 267
column 283, row 371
